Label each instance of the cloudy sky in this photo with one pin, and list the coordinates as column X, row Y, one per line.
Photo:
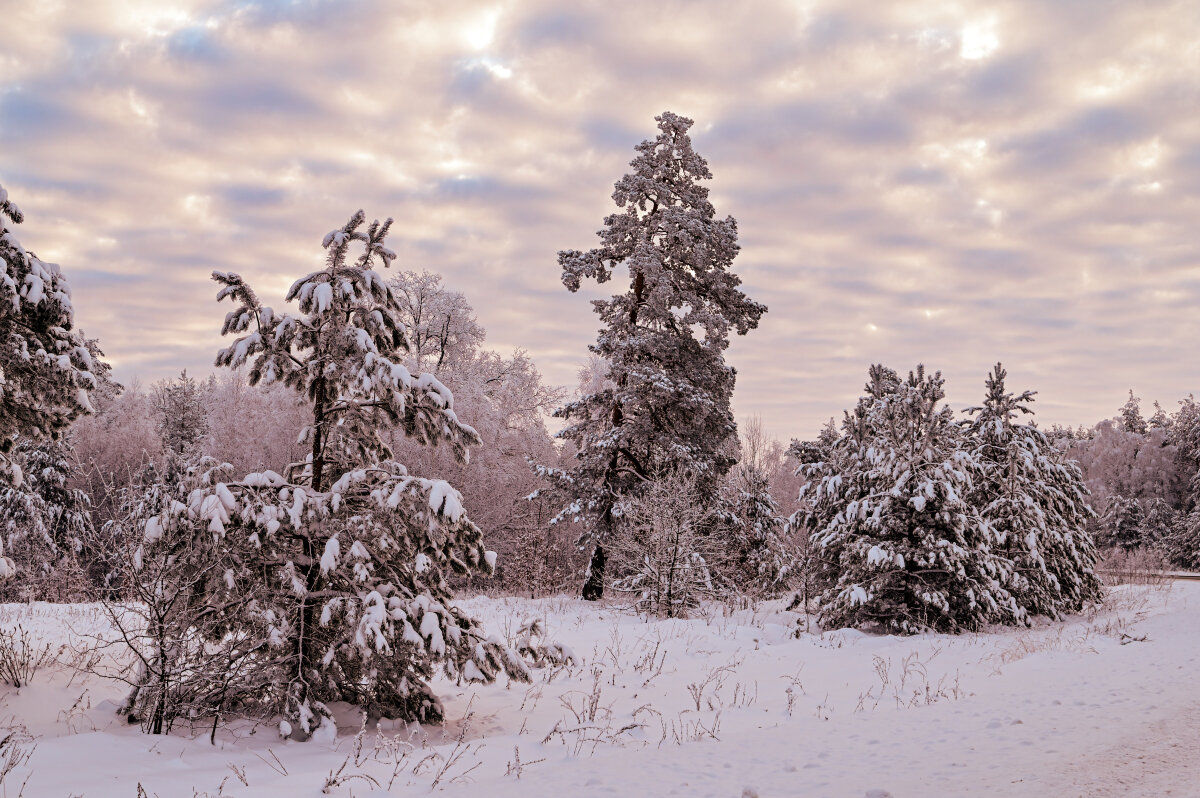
column 952, row 183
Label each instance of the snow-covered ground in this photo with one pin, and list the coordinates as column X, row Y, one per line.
column 722, row 704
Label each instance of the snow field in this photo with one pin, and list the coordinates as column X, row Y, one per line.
column 728, row 703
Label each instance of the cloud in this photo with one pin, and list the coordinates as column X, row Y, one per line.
column 952, row 185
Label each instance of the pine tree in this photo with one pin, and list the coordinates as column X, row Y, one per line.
column 818, row 450
column 45, row 364
column 667, row 407
column 182, row 415
column 1159, row 523
column 761, row 562
column 890, row 508
column 346, row 554
column 1131, row 415
column 44, row 522
column 1035, row 502
column 1122, row 522
column 1160, row 419
column 1182, row 546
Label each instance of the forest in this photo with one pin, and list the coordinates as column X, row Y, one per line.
column 297, row 529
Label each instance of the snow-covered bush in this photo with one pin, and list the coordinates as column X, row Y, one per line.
column 668, row 557
column 185, row 648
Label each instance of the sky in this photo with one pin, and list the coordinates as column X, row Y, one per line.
column 947, row 183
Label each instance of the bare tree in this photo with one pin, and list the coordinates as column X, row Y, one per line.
column 668, row 559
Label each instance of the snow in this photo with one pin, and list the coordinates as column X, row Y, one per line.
column 695, row 707
column 329, row 558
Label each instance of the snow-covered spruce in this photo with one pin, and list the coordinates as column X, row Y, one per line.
column 890, row 509
column 1036, row 504
column 45, row 364
column 44, row 521
column 761, row 560
column 665, row 405
column 345, row 554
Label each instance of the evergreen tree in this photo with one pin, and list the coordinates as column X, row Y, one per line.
column 1160, row 419
column 45, row 365
column 182, row 414
column 1122, row 523
column 1182, row 546
column 346, row 555
column 818, row 450
column 760, row 560
column 1035, row 502
column 1159, row 523
column 667, row 405
column 1184, row 434
column 44, row 521
column 1131, row 415
column 890, row 508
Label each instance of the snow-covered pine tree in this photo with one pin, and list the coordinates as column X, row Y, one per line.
column 1182, row 546
column 816, row 450
column 1121, row 524
column 1035, row 502
column 182, row 415
column 760, row 560
column 45, row 364
column 889, row 508
column 1160, row 419
column 668, row 405
column 1159, row 524
column 348, row 552
column 1131, row 415
column 44, row 521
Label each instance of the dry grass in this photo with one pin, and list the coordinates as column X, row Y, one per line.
column 1138, row 567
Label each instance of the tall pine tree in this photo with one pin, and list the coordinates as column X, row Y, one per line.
column 666, row 407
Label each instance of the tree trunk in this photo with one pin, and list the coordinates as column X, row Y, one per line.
column 593, row 588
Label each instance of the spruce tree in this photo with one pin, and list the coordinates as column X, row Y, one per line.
column 1035, row 502
column 1159, row 523
column 889, row 507
column 759, row 559
column 1182, row 546
column 666, row 406
column 1122, row 522
column 45, row 521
